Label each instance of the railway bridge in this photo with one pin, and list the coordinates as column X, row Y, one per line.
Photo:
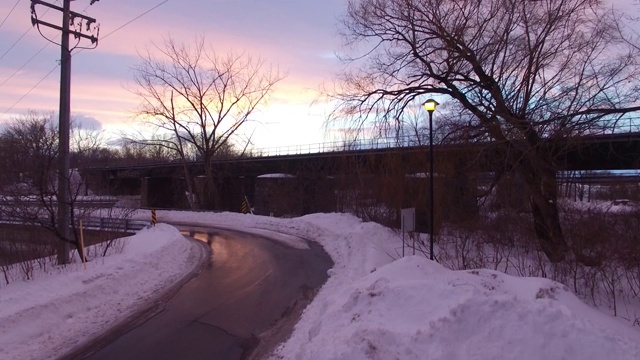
column 308, row 178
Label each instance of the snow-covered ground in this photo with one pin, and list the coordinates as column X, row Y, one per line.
column 374, row 306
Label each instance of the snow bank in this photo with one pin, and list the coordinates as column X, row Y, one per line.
column 46, row 317
column 416, row 309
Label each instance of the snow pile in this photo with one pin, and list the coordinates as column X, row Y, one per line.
column 415, row 309
column 45, row 317
column 373, row 307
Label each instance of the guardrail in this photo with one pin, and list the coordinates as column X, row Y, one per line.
column 114, row 224
column 92, row 223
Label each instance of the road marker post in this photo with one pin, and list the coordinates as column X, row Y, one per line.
column 245, row 207
column 84, row 259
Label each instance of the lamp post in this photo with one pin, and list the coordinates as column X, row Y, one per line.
column 430, row 106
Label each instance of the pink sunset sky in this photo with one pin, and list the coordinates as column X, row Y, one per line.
column 298, row 36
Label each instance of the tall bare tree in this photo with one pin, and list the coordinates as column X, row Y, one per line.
column 202, row 99
column 523, row 74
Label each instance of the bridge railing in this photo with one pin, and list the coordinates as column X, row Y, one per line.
column 606, row 127
column 345, row 145
column 616, row 126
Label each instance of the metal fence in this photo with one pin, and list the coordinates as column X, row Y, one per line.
column 91, row 223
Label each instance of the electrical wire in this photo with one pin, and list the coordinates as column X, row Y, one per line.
column 10, row 12
column 14, row 44
column 23, row 34
column 135, row 18
column 25, row 64
column 130, row 21
column 30, row 90
column 55, row 67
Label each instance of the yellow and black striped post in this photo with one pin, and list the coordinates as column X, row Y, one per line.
column 154, row 220
column 245, row 206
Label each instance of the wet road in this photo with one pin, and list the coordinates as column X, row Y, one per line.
column 250, row 284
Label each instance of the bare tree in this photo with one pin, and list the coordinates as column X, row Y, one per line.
column 30, row 149
column 525, row 75
column 29, row 181
column 202, row 100
column 87, row 146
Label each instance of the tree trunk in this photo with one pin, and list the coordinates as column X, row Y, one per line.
column 191, row 185
column 79, row 249
column 543, row 196
column 209, row 191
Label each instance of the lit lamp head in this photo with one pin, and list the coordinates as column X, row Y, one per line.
column 430, row 105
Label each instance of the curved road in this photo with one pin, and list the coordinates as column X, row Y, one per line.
column 251, row 283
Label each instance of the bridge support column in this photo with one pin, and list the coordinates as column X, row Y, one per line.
column 231, row 191
column 161, row 192
column 318, row 194
column 278, row 195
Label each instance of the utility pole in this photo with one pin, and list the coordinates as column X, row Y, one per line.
column 63, row 218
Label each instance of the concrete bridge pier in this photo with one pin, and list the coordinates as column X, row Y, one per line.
column 163, row 192
column 289, row 195
column 318, row 194
column 278, row 195
column 231, row 191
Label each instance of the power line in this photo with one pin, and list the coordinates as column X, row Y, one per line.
column 30, row 90
column 14, row 44
column 55, row 67
column 25, row 64
column 135, row 18
column 10, row 12
column 23, row 34
column 131, row 21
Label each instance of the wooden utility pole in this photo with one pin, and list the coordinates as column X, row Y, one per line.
column 69, row 18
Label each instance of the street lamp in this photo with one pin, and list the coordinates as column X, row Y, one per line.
column 430, row 106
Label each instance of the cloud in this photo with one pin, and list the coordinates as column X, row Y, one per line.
column 85, row 122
